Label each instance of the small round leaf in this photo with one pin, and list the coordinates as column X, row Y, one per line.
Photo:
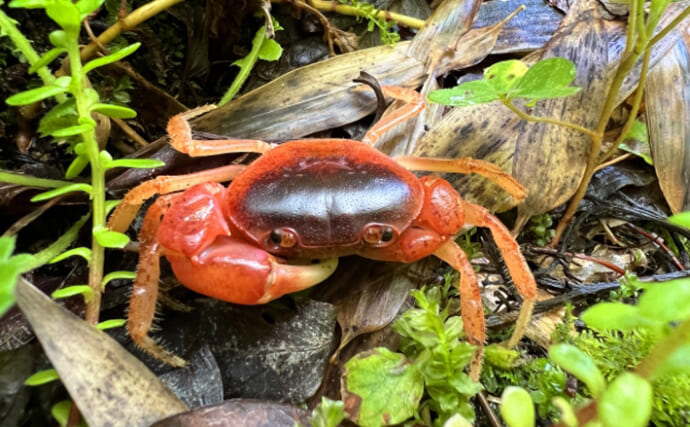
column 573, row 360
column 517, row 408
column 627, row 400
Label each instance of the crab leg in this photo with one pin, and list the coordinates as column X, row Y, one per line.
column 181, row 139
column 142, row 304
column 517, row 266
column 465, row 165
column 470, row 301
column 127, row 209
column 414, row 104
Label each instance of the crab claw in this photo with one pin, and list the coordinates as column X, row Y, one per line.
column 235, row 271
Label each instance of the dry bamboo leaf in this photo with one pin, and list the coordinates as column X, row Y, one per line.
column 530, row 29
column 667, row 96
column 439, row 38
column 550, row 159
column 320, row 96
column 108, row 384
column 487, row 132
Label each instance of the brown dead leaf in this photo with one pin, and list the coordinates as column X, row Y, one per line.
column 550, row 159
column 668, row 120
column 107, row 383
column 239, row 413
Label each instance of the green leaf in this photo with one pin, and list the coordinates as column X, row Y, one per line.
column 72, row 130
column 381, row 388
column 77, row 166
column 468, row 93
column 10, row 269
column 61, row 116
column 47, row 58
column 573, row 360
column 457, row 420
column 629, row 398
column 58, row 38
column 682, row 219
column 678, row 363
column 109, row 59
column 42, row 377
column 114, row 111
column 87, row 6
column 328, row 413
column 118, row 275
column 111, row 204
column 504, row 358
column 60, row 412
column 502, row 76
column 614, row 315
column 34, row 95
column 270, row 50
column 110, row 239
column 28, row 4
column 568, row 416
column 82, row 252
column 71, row 291
column 65, row 13
column 517, row 408
column 110, row 324
column 62, row 190
column 134, row 163
column 546, row 79
column 667, row 301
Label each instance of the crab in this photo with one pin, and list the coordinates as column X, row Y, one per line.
column 313, row 199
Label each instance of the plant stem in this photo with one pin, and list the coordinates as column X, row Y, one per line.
column 343, row 9
column 595, row 147
column 97, row 180
column 132, row 20
column 531, row 118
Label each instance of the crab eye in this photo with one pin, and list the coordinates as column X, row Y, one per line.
column 283, row 237
column 378, row 234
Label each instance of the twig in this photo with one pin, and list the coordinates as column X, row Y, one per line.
column 659, row 243
column 127, row 129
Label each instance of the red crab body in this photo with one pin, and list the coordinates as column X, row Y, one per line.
column 315, row 199
column 253, row 241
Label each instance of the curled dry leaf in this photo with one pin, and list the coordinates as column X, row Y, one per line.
column 668, row 118
column 101, row 376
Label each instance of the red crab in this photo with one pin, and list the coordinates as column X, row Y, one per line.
column 312, row 199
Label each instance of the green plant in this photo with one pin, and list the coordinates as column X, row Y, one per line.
column 427, row 379
column 262, row 48
column 651, row 338
column 71, row 119
column 375, row 19
column 540, row 226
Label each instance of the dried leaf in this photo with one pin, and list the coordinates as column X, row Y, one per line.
column 668, row 118
column 100, row 375
column 239, row 413
column 550, row 159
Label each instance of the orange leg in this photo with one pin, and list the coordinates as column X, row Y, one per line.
column 517, row 266
column 466, row 165
column 414, row 105
column 142, row 304
column 181, row 138
column 129, row 206
column 470, row 301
